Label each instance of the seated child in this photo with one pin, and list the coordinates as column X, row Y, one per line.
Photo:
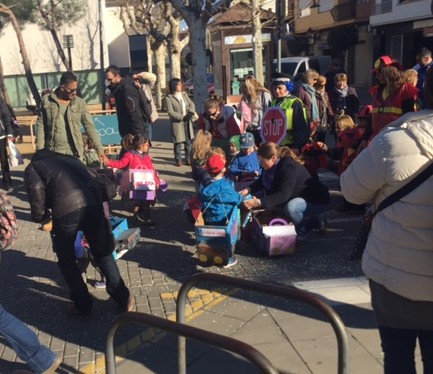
column 137, row 158
column 245, row 166
column 234, row 147
column 91, row 157
column 219, row 196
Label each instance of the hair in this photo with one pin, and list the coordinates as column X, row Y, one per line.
column 428, row 88
column 391, row 77
column 310, row 76
column 68, row 77
column 127, row 142
column 340, row 77
column 423, row 52
column 252, row 88
column 172, row 84
column 201, row 145
column 215, row 151
column 113, row 69
column 410, row 76
column 87, row 142
column 344, row 122
column 138, row 140
column 321, row 81
column 270, row 149
column 214, row 101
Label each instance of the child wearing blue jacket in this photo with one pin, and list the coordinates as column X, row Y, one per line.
column 245, row 166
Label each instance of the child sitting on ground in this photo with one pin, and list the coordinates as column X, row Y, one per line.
column 137, row 158
column 218, row 197
column 245, row 166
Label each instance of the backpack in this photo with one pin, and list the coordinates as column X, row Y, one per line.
column 145, row 105
column 8, row 223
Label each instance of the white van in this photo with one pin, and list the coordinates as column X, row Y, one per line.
column 295, row 66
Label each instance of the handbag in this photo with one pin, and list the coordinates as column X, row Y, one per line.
column 367, row 220
column 15, row 157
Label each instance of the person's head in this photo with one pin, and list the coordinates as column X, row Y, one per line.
column 390, row 77
column 247, row 143
column 127, row 142
column 113, row 76
column 251, row 87
column 212, row 107
column 175, row 85
column 216, row 165
column 320, row 84
column 269, row 153
column 234, row 144
column 140, row 142
column 201, row 144
column 310, row 77
column 384, row 61
column 68, row 86
column 282, row 84
column 410, row 76
column 341, row 81
column 335, row 65
column 423, row 56
column 87, row 142
column 343, row 122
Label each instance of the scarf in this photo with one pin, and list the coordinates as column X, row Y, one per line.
column 179, row 97
column 342, row 92
column 311, row 91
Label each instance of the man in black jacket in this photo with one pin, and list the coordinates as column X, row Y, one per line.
column 130, row 114
column 64, row 185
column 5, row 133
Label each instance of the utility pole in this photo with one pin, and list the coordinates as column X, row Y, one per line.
column 280, row 12
column 257, row 41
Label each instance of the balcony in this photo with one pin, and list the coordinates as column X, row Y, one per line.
column 344, row 11
column 384, row 7
column 363, row 10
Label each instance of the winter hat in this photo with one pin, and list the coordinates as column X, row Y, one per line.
column 247, row 140
column 236, row 141
column 280, row 78
column 215, row 164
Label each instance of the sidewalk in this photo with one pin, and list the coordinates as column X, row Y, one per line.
column 291, row 335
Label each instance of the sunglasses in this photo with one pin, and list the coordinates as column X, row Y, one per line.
column 68, row 90
column 214, row 114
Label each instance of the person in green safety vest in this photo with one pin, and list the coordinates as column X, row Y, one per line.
column 298, row 129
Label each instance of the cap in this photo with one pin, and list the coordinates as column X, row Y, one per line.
column 365, row 111
column 383, row 61
column 247, row 140
column 236, row 141
column 280, row 78
column 215, row 164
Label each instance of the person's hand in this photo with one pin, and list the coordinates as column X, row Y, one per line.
column 322, row 146
column 252, row 203
column 188, row 116
column 103, row 158
column 244, row 192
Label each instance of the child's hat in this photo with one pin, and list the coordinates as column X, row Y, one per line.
column 236, row 141
column 247, row 140
column 215, row 164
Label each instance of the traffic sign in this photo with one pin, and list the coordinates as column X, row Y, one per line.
column 274, row 125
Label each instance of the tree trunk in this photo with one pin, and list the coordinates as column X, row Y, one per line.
column 257, row 42
column 161, row 82
column 3, row 91
column 27, row 69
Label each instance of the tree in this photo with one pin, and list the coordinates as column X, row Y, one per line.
column 4, row 9
column 55, row 14
column 197, row 14
column 340, row 39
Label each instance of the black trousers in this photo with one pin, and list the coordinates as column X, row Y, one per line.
column 7, row 180
column 92, row 222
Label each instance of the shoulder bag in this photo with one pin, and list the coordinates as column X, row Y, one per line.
column 364, row 229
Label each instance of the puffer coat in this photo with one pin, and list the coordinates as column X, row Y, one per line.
column 399, row 251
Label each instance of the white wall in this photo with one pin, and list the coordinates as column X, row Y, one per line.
column 403, row 12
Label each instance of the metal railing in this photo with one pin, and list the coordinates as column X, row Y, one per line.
column 384, row 7
column 289, row 292
column 216, row 340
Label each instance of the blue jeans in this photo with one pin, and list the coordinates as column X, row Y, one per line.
column 96, row 229
column 25, row 343
column 305, row 216
column 178, row 151
column 398, row 346
column 148, row 131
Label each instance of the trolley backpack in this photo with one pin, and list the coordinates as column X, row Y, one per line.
column 8, row 223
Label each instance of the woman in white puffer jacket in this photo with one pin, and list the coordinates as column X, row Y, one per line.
column 398, row 259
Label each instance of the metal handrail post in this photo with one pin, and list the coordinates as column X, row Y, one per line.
column 287, row 291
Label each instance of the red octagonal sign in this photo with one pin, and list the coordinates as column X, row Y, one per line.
column 274, row 125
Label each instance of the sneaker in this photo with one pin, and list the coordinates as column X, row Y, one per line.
column 179, row 163
column 54, row 366
column 47, row 226
column 100, row 284
column 232, row 261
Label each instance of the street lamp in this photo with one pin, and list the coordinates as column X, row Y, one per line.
column 280, row 15
column 68, row 42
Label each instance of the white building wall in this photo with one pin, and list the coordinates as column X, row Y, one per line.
column 402, row 12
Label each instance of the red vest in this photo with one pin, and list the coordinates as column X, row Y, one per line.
column 387, row 110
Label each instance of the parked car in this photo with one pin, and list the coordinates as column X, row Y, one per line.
column 298, row 65
column 189, row 86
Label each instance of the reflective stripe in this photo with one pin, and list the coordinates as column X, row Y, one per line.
column 388, row 109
